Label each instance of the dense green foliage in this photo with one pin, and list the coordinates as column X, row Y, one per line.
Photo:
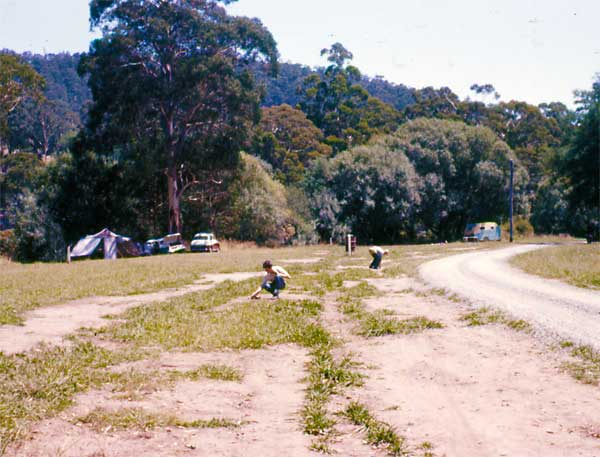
column 37, row 235
column 63, row 83
column 284, row 88
column 257, row 208
column 288, row 141
column 45, row 126
column 582, row 164
column 427, row 180
column 343, row 109
column 18, row 81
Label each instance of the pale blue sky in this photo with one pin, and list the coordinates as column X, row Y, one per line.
column 533, row 50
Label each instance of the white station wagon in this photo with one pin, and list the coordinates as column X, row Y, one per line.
column 205, row 242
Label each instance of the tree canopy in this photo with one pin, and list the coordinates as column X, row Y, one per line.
column 582, row 162
column 427, row 180
column 288, row 141
column 337, row 104
column 18, row 80
column 175, row 72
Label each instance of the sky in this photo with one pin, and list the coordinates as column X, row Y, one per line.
column 532, row 50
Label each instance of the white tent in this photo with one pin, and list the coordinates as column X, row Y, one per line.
column 86, row 246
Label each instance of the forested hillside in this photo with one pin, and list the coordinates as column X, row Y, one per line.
column 254, row 149
column 285, row 86
column 62, row 81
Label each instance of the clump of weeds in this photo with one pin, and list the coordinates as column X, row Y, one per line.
column 378, row 433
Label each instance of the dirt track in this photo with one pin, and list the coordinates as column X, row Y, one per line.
column 554, row 308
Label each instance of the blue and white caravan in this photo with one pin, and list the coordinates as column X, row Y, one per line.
column 482, row 231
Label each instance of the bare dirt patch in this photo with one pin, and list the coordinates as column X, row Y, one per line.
column 474, row 391
column 307, row 260
column 266, row 405
column 397, row 285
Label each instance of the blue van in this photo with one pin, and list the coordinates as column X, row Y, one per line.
column 482, row 231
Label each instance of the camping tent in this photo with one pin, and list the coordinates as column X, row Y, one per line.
column 111, row 244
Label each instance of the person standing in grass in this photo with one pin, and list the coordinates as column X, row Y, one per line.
column 273, row 281
column 377, row 253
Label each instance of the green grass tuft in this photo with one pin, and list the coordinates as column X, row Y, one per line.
column 378, row 433
column 215, row 371
column 379, row 324
column 586, row 367
column 101, row 419
column 483, row 316
column 486, row 315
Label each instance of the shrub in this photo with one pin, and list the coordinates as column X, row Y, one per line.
column 521, row 227
column 7, row 243
column 36, row 235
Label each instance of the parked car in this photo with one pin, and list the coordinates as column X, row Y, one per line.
column 482, row 231
column 153, row 246
column 205, row 242
column 169, row 244
column 174, row 243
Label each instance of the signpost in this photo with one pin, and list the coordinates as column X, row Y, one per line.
column 350, row 244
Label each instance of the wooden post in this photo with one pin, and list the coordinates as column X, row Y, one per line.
column 69, row 253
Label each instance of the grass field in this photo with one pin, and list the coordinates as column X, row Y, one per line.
column 43, row 382
column 28, row 286
column 577, row 264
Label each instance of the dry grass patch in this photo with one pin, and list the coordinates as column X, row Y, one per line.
column 134, row 384
column 379, row 323
column 28, row 286
column 575, row 264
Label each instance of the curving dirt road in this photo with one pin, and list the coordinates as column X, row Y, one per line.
column 486, row 279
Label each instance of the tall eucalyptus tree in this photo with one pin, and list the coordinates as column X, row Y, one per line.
column 174, row 72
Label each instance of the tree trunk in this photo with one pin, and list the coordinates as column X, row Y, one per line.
column 174, row 200
column 173, row 181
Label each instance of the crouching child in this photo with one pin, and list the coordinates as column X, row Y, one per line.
column 273, row 281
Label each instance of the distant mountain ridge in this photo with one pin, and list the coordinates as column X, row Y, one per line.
column 64, row 84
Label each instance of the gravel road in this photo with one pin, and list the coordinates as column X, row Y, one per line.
column 554, row 308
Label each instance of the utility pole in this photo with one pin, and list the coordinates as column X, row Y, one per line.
column 511, row 200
